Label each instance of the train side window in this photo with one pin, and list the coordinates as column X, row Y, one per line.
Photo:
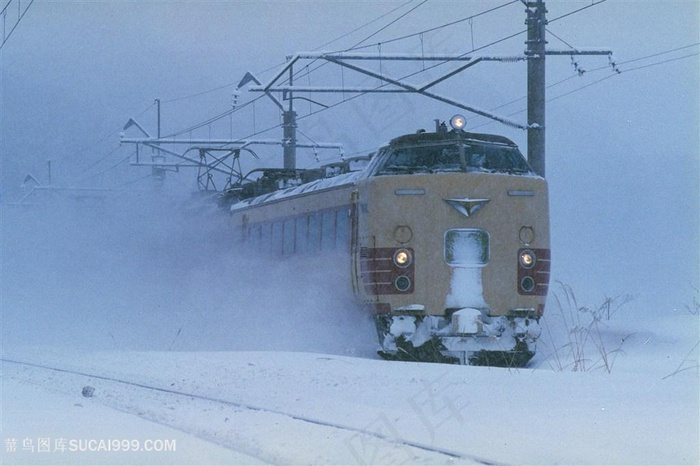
column 342, row 222
column 328, row 231
column 277, row 239
column 266, row 237
column 253, row 238
column 289, row 237
column 314, row 237
column 301, row 233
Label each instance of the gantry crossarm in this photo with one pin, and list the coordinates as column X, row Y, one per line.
column 391, row 85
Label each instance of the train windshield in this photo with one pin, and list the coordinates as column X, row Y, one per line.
column 454, row 157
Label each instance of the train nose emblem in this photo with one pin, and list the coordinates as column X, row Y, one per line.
column 467, row 207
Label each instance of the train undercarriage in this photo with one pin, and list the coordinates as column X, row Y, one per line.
column 466, row 336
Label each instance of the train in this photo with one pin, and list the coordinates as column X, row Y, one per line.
column 445, row 232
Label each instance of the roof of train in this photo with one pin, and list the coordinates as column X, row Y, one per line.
column 313, row 186
column 352, row 177
column 424, row 137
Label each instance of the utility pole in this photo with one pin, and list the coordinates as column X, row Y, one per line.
column 536, row 52
column 158, row 159
column 158, row 108
column 289, row 128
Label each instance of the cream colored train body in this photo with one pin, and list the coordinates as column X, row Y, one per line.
column 447, row 235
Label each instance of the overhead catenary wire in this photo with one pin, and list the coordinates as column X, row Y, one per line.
column 404, row 77
column 228, row 112
column 440, row 63
column 391, row 23
column 232, row 84
column 363, row 26
column 613, row 74
column 436, row 28
column 624, row 71
column 6, row 37
column 214, row 118
column 594, row 3
column 653, row 55
column 102, row 139
column 93, row 176
column 366, row 38
column 419, row 34
column 356, row 46
column 361, row 46
column 308, row 72
column 233, row 110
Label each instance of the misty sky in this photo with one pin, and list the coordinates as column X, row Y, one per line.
column 622, row 153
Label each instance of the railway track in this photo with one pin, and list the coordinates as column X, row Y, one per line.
column 237, row 425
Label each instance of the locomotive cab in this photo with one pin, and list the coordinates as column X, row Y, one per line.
column 451, row 248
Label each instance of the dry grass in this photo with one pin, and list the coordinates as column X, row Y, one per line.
column 585, row 348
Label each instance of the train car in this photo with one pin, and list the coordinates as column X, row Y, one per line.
column 447, row 236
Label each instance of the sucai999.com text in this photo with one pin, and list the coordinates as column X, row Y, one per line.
column 61, row 445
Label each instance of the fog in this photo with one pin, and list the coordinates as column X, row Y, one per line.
column 622, row 158
column 141, row 273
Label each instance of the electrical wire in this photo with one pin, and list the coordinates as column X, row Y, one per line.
column 661, row 62
column 307, row 71
column 391, row 23
column 214, row 118
column 592, row 4
column 7, row 37
column 469, row 18
column 360, row 46
column 622, row 72
column 102, row 139
column 362, row 27
column 198, row 94
column 605, row 78
column 354, row 47
column 107, row 169
column 436, row 28
column 363, row 40
column 233, row 110
column 560, row 39
column 225, row 86
column 657, row 54
column 345, row 100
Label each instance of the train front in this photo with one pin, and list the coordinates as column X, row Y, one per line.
column 452, row 249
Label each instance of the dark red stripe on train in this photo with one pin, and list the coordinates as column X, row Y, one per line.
column 380, row 274
column 534, row 280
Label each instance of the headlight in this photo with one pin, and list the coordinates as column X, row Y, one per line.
column 527, row 259
column 402, row 258
column 458, row 122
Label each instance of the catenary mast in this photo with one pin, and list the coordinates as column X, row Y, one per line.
column 535, row 52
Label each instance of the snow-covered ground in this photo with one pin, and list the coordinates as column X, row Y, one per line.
column 191, row 355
